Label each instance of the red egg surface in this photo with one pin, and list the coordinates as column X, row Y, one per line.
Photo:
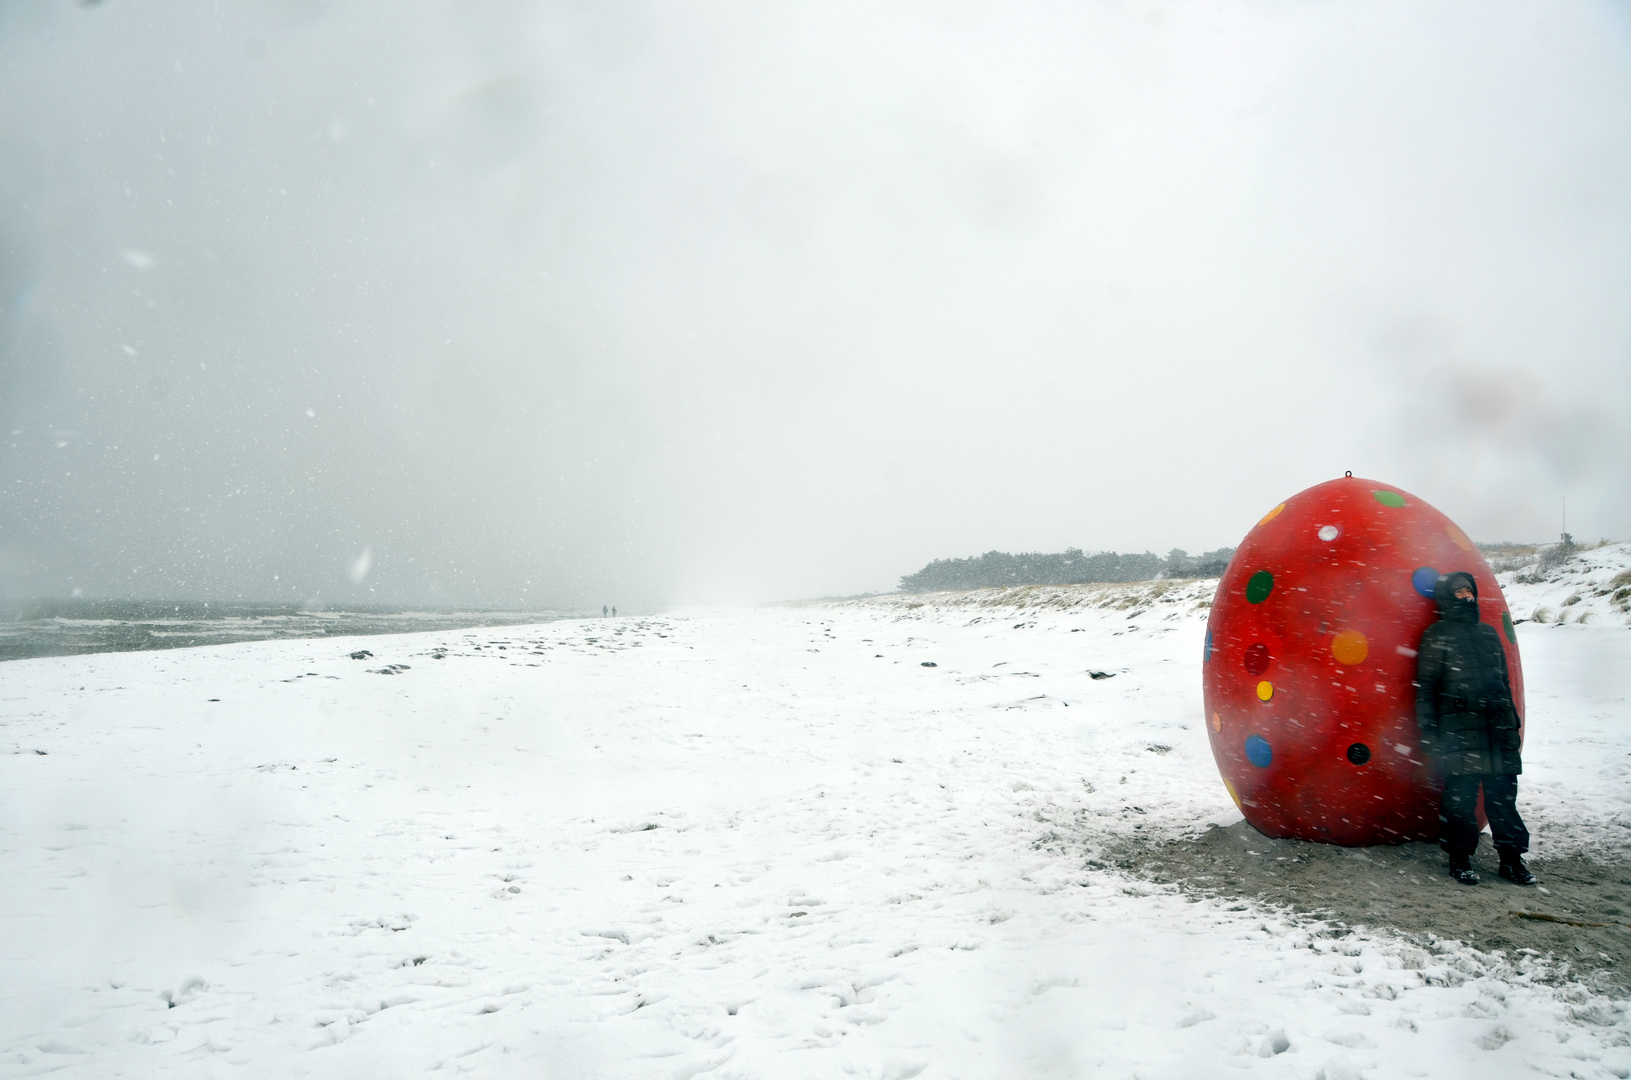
column 1310, row 663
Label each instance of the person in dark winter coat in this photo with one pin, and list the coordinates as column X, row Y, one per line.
column 1470, row 725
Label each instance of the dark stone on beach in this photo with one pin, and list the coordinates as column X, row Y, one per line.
column 930, row 663
column 1097, row 675
column 361, row 654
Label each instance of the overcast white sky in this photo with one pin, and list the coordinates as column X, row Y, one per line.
column 653, row 303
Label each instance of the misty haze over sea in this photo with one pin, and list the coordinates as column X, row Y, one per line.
column 522, row 306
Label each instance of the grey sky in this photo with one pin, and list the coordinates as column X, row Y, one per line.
column 550, row 304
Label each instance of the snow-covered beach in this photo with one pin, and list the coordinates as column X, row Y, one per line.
column 912, row 378
column 759, row 843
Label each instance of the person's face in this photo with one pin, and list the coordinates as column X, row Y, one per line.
column 1463, row 593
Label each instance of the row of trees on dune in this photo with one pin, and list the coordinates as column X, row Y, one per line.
column 1070, row 567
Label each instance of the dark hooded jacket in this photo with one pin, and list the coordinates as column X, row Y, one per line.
column 1463, row 693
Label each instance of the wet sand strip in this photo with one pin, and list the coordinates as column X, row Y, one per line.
column 1579, row 916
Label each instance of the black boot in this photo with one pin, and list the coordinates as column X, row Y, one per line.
column 1461, row 869
column 1513, row 870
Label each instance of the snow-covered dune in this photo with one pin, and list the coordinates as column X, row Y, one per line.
column 847, row 839
column 1593, row 586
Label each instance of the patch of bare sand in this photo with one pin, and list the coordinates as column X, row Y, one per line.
column 1406, row 889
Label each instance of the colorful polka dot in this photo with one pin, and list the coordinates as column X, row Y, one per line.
column 1329, row 533
column 1265, row 690
column 1206, row 652
column 1424, row 580
column 1258, row 587
column 1359, row 753
column 1390, row 498
column 1232, row 793
column 1350, row 647
column 1257, row 658
column 1272, row 514
column 1258, row 751
column 1217, row 722
column 1458, row 537
column 1506, row 624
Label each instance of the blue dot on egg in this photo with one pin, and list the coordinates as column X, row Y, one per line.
column 1206, row 654
column 1258, row 751
column 1424, row 579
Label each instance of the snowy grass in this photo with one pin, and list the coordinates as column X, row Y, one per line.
column 767, row 843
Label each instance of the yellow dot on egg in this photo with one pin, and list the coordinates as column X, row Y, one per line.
column 1350, row 647
column 1231, row 789
column 1272, row 514
column 1217, row 722
column 1265, row 690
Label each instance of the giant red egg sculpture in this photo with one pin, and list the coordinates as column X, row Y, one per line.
column 1310, row 662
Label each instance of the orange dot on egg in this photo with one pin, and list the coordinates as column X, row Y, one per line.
column 1272, row 514
column 1350, row 647
column 1265, row 690
column 1217, row 722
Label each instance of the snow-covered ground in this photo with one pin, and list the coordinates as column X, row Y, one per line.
column 764, row 843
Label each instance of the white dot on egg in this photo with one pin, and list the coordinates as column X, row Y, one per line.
column 1328, row 532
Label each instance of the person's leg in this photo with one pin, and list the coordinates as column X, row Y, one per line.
column 1457, row 827
column 1501, row 807
column 1511, row 837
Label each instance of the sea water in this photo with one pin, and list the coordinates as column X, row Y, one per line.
column 71, row 627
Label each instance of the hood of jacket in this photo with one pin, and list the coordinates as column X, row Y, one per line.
column 1449, row 608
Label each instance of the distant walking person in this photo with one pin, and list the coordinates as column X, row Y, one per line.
column 614, row 611
column 1469, row 723
column 603, row 611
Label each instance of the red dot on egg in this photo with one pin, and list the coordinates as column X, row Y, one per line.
column 1257, row 658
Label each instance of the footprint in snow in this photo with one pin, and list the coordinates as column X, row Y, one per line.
column 190, row 988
